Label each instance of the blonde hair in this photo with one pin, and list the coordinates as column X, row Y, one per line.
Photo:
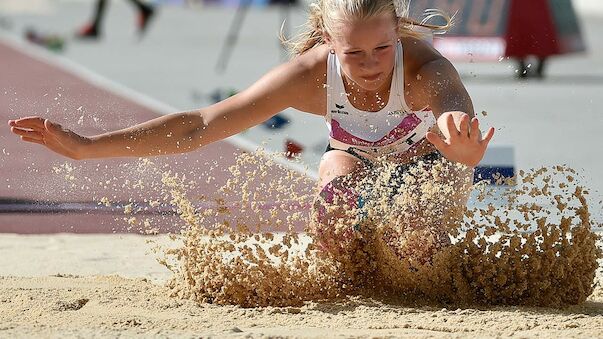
column 325, row 15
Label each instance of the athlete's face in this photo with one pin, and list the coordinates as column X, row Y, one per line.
column 366, row 50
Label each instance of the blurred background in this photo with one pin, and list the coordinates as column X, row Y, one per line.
column 533, row 68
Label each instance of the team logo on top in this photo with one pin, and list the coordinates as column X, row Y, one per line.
column 339, row 110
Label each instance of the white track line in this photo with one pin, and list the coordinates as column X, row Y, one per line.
column 45, row 207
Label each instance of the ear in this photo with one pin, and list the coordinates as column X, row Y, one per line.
column 328, row 40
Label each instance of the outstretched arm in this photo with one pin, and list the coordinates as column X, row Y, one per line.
column 442, row 88
column 177, row 132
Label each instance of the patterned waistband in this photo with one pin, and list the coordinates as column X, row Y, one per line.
column 372, row 153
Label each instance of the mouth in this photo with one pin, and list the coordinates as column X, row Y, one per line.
column 371, row 77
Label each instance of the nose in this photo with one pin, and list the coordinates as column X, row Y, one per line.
column 370, row 61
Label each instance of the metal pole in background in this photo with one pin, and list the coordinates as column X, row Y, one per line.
column 233, row 35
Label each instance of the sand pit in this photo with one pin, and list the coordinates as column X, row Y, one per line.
column 523, row 263
column 109, row 306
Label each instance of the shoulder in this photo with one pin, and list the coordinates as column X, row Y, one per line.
column 418, row 53
column 427, row 73
column 296, row 76
column 297, row 83
column 311, row 63
column 423, row 61
column 307, row 74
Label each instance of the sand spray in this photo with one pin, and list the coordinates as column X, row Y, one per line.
column 527, row 240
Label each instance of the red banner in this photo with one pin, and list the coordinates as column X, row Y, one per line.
column 490, row 29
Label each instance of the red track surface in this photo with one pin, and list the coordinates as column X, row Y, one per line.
column 33, row 87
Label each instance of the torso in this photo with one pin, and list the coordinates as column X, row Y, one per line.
column 398, row 124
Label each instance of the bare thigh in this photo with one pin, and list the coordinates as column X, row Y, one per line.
column 336, row 163
column 332, row 220
column 338, row 174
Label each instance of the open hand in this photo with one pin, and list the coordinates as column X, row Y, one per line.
column 464, row 144
column 54, row 136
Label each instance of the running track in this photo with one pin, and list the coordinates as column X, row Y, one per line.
column 34, row 199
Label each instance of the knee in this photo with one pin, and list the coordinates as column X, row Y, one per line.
column 335, row 164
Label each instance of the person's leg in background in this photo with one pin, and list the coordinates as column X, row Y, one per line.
column 145, row 13
column 93, row 30
column 541, row 66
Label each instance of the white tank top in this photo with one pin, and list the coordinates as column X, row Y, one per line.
column 393, row 129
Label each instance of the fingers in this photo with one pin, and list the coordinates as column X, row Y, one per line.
column 452, row 130
column 36, row 141
column 25, row 126
column 475, row 133
column 464, row 126
column 35, row 123
column 435, row 139
column 488, row 135
column 27, row 133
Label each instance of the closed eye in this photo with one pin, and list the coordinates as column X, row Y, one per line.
column 380, row 48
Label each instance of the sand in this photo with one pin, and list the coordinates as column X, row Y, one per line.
column 531, row 245
column 462, row 289
column 108, row 306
